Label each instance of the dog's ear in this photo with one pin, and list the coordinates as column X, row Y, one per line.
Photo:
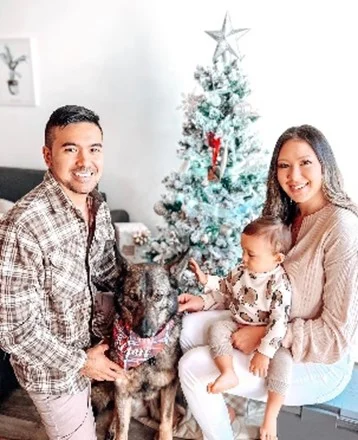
column 122, row 263
column 177, row 267
column 123, row 269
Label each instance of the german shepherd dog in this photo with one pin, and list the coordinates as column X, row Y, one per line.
column 147, row 327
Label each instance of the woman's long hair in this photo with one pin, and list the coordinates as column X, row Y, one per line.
column 277, row 201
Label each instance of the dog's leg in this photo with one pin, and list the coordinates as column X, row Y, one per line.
column 101, row 395
column 113, row 427
column 121, row 416
column 167, row 400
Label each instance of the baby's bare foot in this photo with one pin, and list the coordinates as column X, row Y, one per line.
column 224, row 382
column 268, row 430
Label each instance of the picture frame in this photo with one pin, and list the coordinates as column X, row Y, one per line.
column 17, row 81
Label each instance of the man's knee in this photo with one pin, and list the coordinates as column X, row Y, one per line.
column 67, row 417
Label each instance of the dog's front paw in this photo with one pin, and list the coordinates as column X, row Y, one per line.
column 112, row 429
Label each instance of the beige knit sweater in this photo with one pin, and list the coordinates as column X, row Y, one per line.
column 323, row 269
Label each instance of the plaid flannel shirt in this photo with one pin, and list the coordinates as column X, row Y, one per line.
column 49, row 276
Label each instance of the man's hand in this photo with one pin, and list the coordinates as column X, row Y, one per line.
column 248, row 338
column 200, row 276
column 99, row 367
column 190, row 303
column 259, row 364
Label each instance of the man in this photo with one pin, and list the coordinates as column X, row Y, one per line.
column 57, row 251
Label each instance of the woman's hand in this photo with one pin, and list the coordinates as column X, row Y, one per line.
column 190, row 303
column 248, row 338
column 200, row 276
column 259, row 364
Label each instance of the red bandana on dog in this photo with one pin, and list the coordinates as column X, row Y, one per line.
column 130, row 350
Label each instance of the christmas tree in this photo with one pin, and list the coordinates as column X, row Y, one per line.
column 221, row 185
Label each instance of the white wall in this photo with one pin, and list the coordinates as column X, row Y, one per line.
column 130, row 60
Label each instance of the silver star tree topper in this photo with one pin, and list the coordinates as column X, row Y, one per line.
column 227, row 39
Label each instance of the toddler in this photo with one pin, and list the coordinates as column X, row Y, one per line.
column 257, row 292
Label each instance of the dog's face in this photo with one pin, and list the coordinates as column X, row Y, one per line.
column 145, row 299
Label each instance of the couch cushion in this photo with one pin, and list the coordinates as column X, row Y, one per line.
column 16, row 182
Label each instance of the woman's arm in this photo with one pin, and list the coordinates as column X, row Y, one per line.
column 327, row 338
column 248, row 338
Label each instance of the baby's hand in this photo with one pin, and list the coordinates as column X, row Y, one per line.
column 190, row 303
column 259, row 364
column 201, row 277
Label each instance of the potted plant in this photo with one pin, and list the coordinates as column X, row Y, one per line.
column 12, row 64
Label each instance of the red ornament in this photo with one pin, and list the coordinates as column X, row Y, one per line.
column 215, row 144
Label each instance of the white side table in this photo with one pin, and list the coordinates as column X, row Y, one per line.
column 124, row 234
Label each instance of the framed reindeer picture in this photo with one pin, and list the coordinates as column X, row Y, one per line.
column 17, row 82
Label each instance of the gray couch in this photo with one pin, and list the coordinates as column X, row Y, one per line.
column 16, row 182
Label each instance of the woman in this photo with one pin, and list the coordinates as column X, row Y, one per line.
column 305, row 190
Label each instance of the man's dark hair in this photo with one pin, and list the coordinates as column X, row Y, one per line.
column 69, row 114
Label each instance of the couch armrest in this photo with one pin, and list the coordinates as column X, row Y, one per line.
column 119, row 216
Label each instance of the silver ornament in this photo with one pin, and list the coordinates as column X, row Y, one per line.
column 190, row 103
column 160, row 209
column 184, row 166
column 225, row 230
column 244, row 109
column 227, row 39
column 205, row 239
